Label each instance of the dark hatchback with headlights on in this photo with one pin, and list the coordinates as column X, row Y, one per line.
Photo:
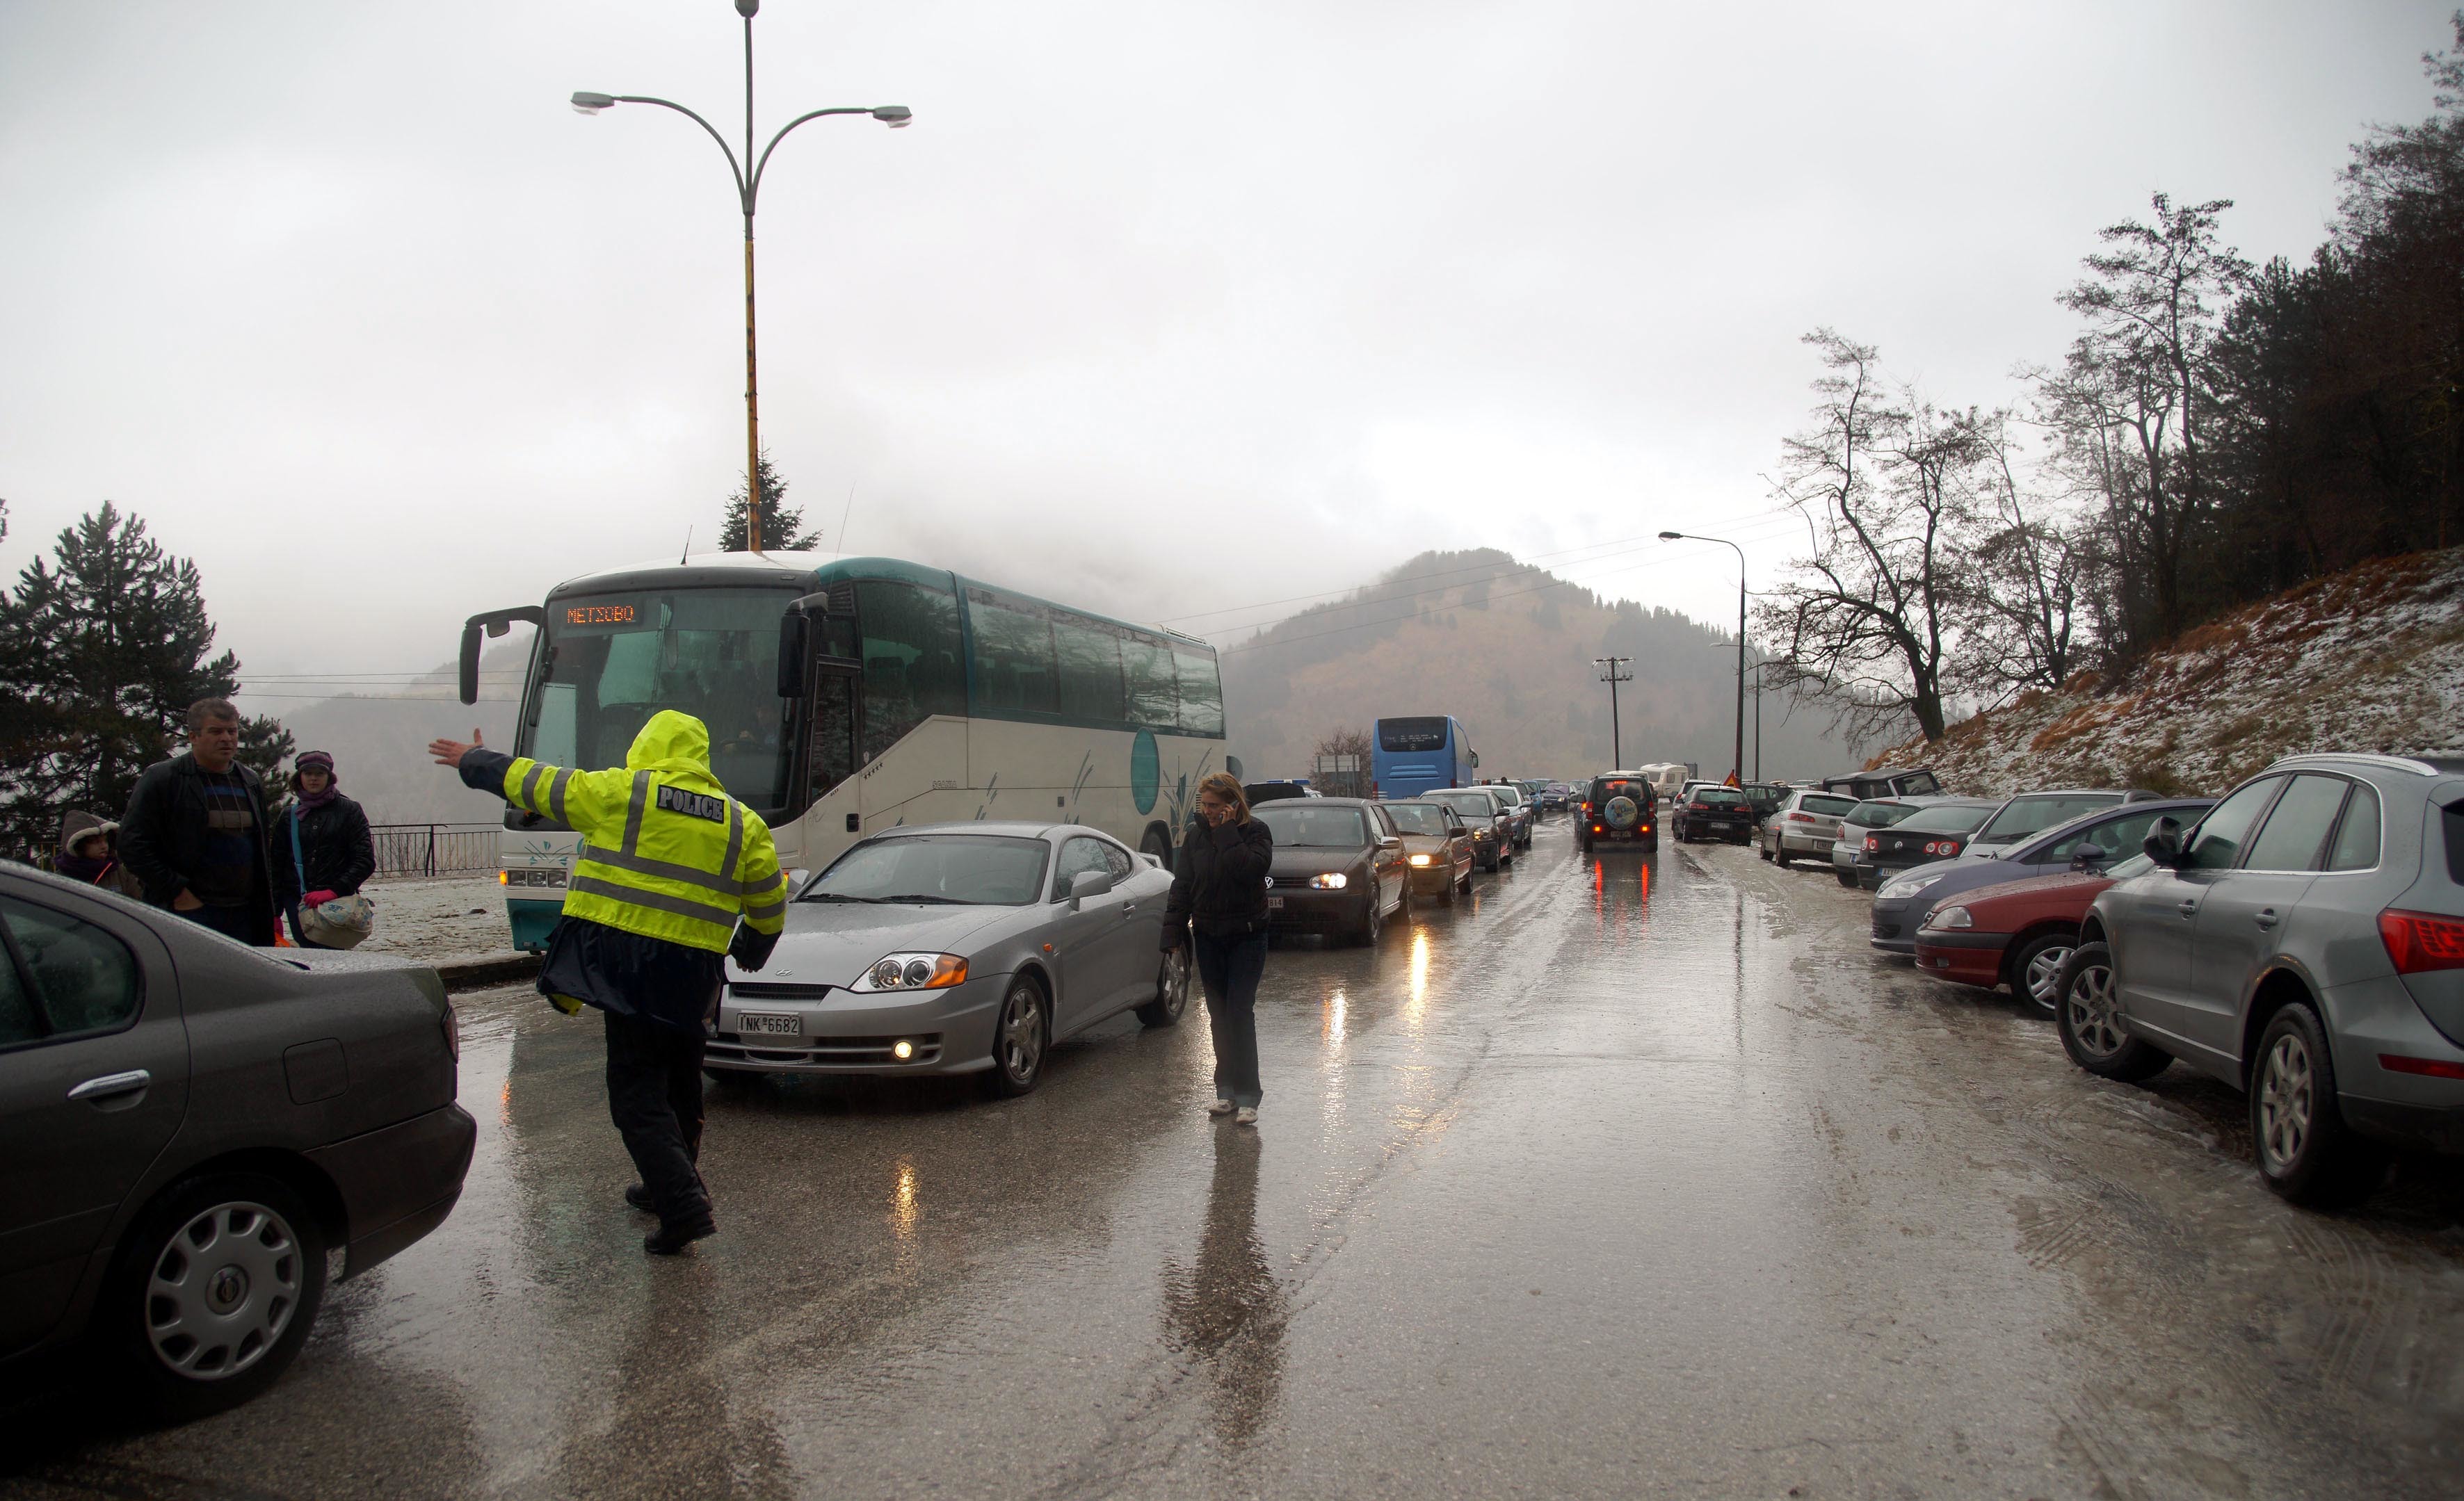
column 1339, row 867
column 1937, row 830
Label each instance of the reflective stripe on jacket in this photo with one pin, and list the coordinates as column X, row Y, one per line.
column 666, row 853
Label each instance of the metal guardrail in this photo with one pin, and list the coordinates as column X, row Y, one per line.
column 435, row 849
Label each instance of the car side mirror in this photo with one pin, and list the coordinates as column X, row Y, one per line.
column 1088, row 883
column 1390, row 843
column 2163, row 843
column 2089, row 857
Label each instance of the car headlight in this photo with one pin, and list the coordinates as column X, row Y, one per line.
column 1419, row 860
column 913, row 972
column 1908, row 886
column 1331, row 881
column 1950, row 917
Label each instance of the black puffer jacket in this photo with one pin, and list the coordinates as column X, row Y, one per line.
column 339, row 852
column 1218, row 881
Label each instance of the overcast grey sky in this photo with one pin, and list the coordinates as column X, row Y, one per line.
column 1158, row 307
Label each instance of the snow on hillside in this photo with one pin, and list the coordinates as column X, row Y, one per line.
column 2372, row 659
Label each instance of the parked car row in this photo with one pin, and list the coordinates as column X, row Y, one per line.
column 2300, row 939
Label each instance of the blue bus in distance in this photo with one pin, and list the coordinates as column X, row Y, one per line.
column 1410, row 756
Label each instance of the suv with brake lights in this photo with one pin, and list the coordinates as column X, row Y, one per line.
column 1617, row 808
column 2303, row 942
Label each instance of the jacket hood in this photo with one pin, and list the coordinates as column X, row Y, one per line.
column 674, row 743
column 76, row 824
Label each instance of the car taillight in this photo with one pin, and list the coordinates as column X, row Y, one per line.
column 2420, row 942
column 2432, row 1068
column 1799, row 817
column 1872, row 845
column 1941, row 846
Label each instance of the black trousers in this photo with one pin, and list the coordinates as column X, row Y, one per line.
column 654, row 1093
column 1230, row 968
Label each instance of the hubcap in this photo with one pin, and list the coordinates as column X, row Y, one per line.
column 1022, row 1035
column 223, row 1290
column 2044, row 973
column 2285, row 1100
column 2092, row 1021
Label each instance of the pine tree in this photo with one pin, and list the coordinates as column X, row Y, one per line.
column 102, row 651
column 782, row 527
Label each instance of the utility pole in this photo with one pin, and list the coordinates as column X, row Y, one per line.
column 1613, row 676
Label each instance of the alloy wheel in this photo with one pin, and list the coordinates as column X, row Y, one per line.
column 1022, row 1032
column 1172, row 987
column 2044, row 975
column 2287, row 1096
column 2093, row 1013
column 223, row 1290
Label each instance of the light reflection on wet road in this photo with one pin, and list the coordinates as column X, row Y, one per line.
column 1625, row 1176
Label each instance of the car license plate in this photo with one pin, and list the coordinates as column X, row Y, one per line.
column 1274, row 903
column 768, row 1023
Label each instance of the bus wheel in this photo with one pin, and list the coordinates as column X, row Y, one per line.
column 1159, row 844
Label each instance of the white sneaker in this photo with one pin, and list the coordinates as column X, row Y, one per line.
column 1247, row 1115
column 1221, row 1107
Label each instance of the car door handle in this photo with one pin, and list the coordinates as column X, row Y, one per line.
column 111, row 1085
column 2188, row 909
column 2266, row 917
column 1128, row 907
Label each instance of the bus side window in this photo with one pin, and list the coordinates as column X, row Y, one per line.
column 1202, row 691
column 1155, row 700
column 1013, row 653
column 911, row 660
column 833, row 759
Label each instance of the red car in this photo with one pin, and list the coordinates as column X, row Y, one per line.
column 2016, row 934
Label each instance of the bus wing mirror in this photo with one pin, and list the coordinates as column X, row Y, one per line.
column 795, row 641
column 1475, row 759
column 496, row 622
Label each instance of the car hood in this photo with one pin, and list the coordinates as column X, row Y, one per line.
column 830, row 943
column 1951, row 876
column 2069, row 886
column 1308, row 859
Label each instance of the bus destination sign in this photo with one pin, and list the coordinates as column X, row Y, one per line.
column 598, row 615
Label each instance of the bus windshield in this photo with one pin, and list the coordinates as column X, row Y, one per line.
column 614, row 660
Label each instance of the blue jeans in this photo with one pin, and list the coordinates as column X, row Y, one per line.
column 1230, row 968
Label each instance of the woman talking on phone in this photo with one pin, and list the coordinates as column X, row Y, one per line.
column 1217, row 906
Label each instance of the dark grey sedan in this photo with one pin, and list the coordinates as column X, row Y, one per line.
column 193, row 1124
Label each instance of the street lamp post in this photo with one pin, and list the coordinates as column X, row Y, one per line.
column 748, row 189
column 1678, row 536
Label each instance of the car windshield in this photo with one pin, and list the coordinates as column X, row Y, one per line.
column 1299, row 825
column 1878, row 814
column 1471, row 805
column 1718, row 797
column 1829, row 807
column 1918, row 784
column 1418, row 819
column 1952, row 820
column 1513, row 794
column 934, row 870
column 2022, row 816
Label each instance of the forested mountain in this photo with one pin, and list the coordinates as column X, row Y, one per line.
column 1507, row 649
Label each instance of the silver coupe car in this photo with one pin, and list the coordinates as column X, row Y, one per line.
column 956, row 949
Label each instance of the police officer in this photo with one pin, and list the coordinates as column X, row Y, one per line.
column 668, row 866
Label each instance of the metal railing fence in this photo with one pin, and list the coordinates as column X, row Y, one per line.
column 435, row 849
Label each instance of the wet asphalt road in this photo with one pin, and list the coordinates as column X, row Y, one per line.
column 1627, row 1177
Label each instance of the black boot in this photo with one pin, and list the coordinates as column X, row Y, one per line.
column 639, row 1198
column 674, row 1235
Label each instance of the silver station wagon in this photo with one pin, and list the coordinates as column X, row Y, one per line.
column 2305, row 941
column 955, row 949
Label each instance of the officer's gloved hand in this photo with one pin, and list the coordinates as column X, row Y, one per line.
column 750, row 949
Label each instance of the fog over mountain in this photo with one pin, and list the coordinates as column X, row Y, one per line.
column 1507, row 649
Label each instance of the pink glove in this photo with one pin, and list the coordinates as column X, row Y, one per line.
column 316, row 899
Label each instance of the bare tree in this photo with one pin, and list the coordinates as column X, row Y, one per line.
column 1885, row 483
column 2025, row 626
column 1343, row 741
column 2135, row 398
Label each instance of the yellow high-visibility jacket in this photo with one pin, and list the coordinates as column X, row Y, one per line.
column 666, row 853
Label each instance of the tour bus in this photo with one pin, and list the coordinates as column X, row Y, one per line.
column 1409, row 757
column 849, row 694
